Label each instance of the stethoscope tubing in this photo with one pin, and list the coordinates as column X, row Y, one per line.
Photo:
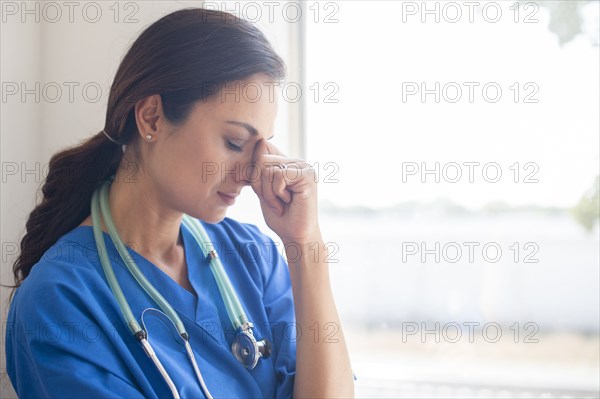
column 100, row 210
column 234, row 307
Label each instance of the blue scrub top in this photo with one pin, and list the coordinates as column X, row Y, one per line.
column 66, row 336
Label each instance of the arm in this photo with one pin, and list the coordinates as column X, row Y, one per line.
column 289, row 204
column 323, row 367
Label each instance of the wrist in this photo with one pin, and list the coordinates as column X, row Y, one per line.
column 303, row 240
column 306, row 253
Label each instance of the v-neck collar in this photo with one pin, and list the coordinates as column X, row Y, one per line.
column 206, row 308
column 178, row 297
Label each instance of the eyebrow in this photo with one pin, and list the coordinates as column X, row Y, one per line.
column 248, row 127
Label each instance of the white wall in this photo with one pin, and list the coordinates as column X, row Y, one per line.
column 54, row 51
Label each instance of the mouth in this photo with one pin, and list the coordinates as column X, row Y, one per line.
column 228, row 198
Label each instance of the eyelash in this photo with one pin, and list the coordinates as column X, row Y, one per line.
column 234, row 147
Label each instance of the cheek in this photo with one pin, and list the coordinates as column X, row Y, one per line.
column 207, row 170
column 201, row 166
column 200, row 161
column 183, row 176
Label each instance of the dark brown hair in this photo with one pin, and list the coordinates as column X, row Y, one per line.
column 186, row 57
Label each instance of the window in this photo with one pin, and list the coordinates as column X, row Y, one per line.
column 459, row 181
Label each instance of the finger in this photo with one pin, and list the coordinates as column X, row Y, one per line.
column 279, row 187
column 298, row 179
column 268, row 193
column 261, row 148
column 274, row 159
column 260, row 151
column 264, row 170
column 255, row 181
column 273, row 149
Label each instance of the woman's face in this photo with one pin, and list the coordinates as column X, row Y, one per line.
column 200, row 166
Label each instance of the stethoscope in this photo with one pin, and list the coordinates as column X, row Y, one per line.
column 245, row 347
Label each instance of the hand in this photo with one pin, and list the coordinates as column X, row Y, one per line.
column 288, row 194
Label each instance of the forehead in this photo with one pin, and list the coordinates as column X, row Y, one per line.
column 252, row 101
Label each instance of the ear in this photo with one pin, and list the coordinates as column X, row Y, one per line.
column 149, row 116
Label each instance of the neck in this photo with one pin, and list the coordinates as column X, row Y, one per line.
column 144, row 221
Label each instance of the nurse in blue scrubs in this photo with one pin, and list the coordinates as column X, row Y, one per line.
column 188, row 120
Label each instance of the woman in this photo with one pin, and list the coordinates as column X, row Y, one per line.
column 176, row 141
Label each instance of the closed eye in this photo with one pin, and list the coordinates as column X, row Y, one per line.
column 233, row 146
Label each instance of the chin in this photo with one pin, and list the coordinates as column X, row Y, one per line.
column 212, row 217
column 210, row 213
column 214, row 220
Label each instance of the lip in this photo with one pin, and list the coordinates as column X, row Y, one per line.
column 228, row 198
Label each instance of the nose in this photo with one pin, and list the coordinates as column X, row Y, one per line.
column 247, row 173
column 247, row 169
column 242, row 171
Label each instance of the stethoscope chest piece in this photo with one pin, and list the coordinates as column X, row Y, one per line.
column 247, row 350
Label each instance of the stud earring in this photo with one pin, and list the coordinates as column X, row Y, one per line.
column 149, row 137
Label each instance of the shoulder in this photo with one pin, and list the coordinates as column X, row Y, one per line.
column 246, row 238
column 235, row 229
column 63, row 317
column 247, row 244
column 64, row 308
column 65, row 277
